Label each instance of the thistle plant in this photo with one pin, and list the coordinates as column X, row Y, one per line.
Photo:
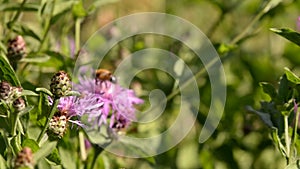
column 281, row 112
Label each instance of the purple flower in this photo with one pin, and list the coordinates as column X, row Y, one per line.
column 118, row 104
column 103, row 103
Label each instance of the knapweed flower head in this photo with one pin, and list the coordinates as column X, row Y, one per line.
column 101, row 103
column 60, row 84
column 118, row 104
column 58, row 126
column 16, row 49
column 19, row 104
column 24, row 159
column 10, row 94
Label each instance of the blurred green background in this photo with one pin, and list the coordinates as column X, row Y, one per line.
column 241, row 140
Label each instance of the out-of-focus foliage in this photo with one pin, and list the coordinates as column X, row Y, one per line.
column 54, row 30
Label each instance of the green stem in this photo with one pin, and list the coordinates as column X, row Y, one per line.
column 47, row 28
column 98, row 151
column 201, row 72
column 14, row 118
column 16, row 17
column 83, row 154
column 271, row 4
column 53, row 109
column 77, row 36
column 287, row 138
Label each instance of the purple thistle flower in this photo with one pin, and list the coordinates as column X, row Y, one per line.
column 103, row 103
column 118, row 103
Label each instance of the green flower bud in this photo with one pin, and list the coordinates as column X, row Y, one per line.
column 57, row 126
column 60, row 84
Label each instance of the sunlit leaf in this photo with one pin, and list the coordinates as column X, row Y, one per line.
column 45, row 150
column 32, row 144
column 277, row 141
column 29, row 93
column 291, row 76
column 289, row 34
column 39, row 59
column 2, row 163
column 13, row 6
column 293, row 165
column 269, row 89
column 44, row 90
column 78, row 10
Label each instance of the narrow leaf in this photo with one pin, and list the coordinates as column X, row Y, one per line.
column 265, row 117
column 289, row 34
column 291, row 76
column 277, row 141
column 29, row 93
column 45, row 150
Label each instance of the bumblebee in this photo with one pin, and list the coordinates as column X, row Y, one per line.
column 104, row 75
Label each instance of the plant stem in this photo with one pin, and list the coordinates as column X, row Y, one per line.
column 287, row 138
column 18, row 12
column 47, row 28
column 271, row 4
column 83, row 154
column 98, row 151
column 53, row 109
column 14, row 118
column 77, row 36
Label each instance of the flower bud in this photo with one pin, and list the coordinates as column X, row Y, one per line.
column 19, row 104
column 24, row 158
column 57, row 126
column 5, row 91
column 16, row 92
column 60, row 84
column 16, row 50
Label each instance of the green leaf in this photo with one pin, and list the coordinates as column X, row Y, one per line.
column 44, row 90
column 7, row 73
column 67, row 158
column 78, row 10
column 38, row 59
column 283, row 90
column 2, row 163
column 29, row 93
column 54, row 157
column 26, row 110
column 73, row 93
column 265, row 117
column 293, row 165
column 289, row 34
column 269, row 89
column 45, row 150
column 277, row 141
column 225, row 48
column 291, row 76
column 16, row 6
column 23, row 30
column 32, row 144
